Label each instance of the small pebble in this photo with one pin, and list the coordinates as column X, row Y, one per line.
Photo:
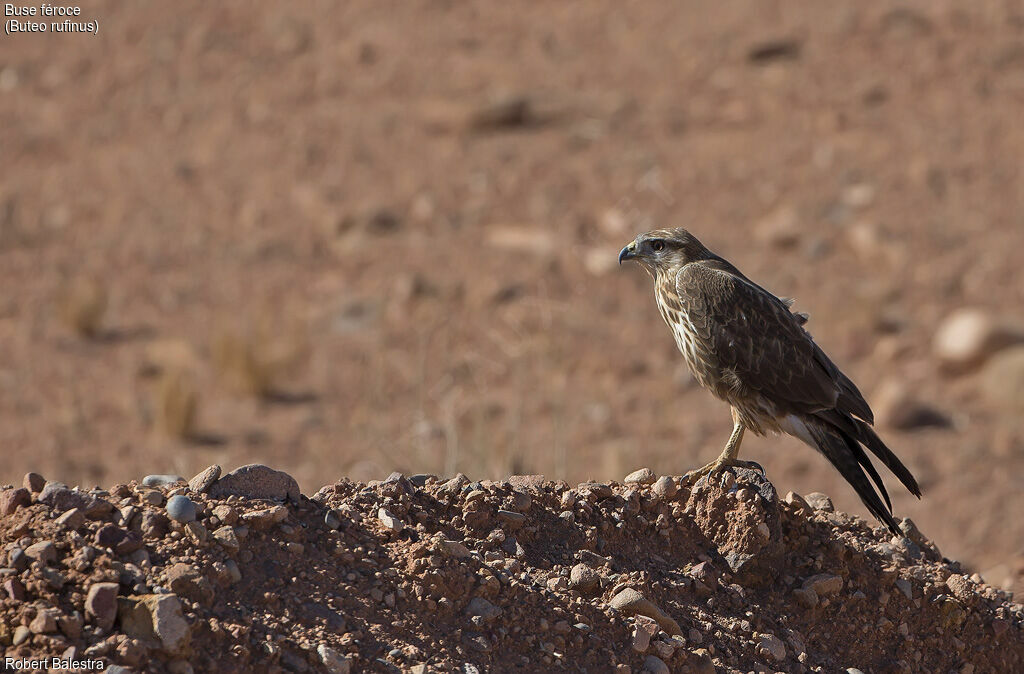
column 101, row 605
column 153, row 497
column 389, row 520
column 771, row 645
column 824, row 584
column 631, row 602
column 227, row 537
column 21, row 634
column 34, row 482
column 819, row 501
column 196, row 531
column 43, row 551
column 641, row 476
column 644, row 631
column 45, row 621
column 12, row 499
column 583, row 579
column 181, row 509
column 161, row 480
column 335, row 662
column 482, row 608
column 664, row 487
column 512, row 520
column 202, row 482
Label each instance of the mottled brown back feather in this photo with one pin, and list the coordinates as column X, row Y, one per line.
column 753, row 334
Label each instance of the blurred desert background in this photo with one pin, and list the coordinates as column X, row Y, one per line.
column 345, row 240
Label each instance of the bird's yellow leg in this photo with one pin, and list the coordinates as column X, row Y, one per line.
column 728, row 456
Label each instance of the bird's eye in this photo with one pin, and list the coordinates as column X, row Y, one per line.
column 657, row 245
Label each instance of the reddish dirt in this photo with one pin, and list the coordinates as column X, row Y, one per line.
column 442, row 268
column 521, row 575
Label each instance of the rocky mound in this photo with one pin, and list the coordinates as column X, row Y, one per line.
column 419, row 574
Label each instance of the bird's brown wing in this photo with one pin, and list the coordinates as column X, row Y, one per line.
column 753, row 334
column 752, row 338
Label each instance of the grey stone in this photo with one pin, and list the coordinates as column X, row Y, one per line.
column 664, row 487
column 43, row 551
column 645, row 630
column 155, row 616
column 14, row 589
column 820, row 501
column 197, row 531
column 72, row 519
column 180, row 508
column 806, row 597
column 265, row 518
column 482, row 608
column 631, row 602
column 655, row 665
column 511, row 519
column 12, row 499
column 202, row 482
column 34, row 482
column 389, row 520
column 641, row 476
column 259, row 482
column 60, row 498
column 101, row 605
column 17, row 559
column 21, row 634
column 186, row 581
column 153, row 497
column 824, row 584
column 45, row 621
column 227, row 537
column 335, row 662
column 161, row 480
column 583, row 579
column 771, row 645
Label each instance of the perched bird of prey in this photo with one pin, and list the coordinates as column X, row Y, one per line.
column 748, row 348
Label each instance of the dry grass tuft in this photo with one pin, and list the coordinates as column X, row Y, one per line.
column 81, row 305
column 259, row 361
column 177, row 403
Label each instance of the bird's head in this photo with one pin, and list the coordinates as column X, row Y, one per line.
column 662, row 250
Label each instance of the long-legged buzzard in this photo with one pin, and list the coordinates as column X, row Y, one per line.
column 748, row 348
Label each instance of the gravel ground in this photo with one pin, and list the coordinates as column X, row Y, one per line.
column 239, row 572
column 344, row 239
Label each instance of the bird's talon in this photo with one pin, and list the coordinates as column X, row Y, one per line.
column 721, row 465
column 758, row 467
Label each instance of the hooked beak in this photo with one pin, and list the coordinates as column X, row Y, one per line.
column 628, row 253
